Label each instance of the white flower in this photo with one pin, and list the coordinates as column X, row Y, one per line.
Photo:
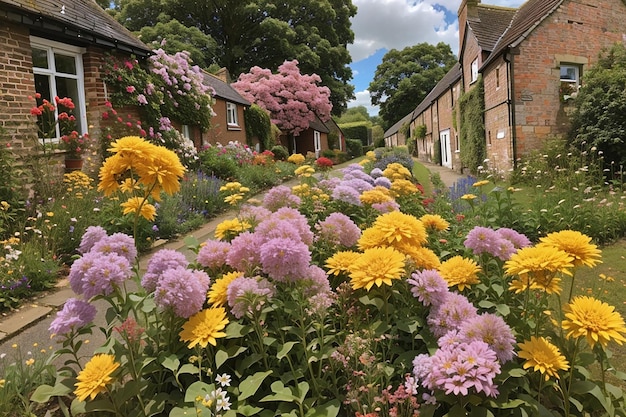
column 223, row 380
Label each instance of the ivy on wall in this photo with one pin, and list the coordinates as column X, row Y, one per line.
column 472, row 133
column 258, row 125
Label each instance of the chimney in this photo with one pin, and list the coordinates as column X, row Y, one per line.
column 223, row 75
column 467, row 11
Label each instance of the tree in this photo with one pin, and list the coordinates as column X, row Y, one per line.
column 354, row 114
column 599, row 119
column 292, row 99
column 404, row 78
column 263, row 33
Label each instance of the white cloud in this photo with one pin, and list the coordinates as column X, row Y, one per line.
column 363, row 99
column 396, row 24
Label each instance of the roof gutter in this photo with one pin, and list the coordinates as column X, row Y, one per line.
column 508, row 57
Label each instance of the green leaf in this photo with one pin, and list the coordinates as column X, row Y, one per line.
column 235, row 330
column 182, row 412
column 457, row 411
column 248, row 410
column 503, row 309
column 43, row 393
column 197, row 389
column 223, row 355
column 171, row 362
column 285, row 350
column 485, row 304
column 330, row 409
column 280, row 393
column 251, row 384
column 517, row 372
column 187, row 368
column 369, row 301
column 303, row 388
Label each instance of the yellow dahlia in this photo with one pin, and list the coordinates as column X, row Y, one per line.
column 597, row 321
column 218, row 292
column 423, row 258
column 376, row 266
column 304, row 171
column 376, row 195
column 296, row 158
column 397, row 171
column 204, row 327
column 95, row 376
column 537, row 267
column 402, row 187
column 399, row 227
column 371, row 238
column 341, row 262
column 576, row 244
column 459, row 271
column 468, row 197
column 435, row 222
column 543, row 356
column 138, row 205
column 480, row 183
column 228, row 229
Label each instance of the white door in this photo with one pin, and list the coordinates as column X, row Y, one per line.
column 446, row 152
column 317, row 136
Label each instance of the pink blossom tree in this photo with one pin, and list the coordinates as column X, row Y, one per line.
column 292, row 99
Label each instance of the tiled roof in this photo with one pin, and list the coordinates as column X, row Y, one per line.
column 81, row 20
column 527, row 18
column 442, row 86
column 224, row 90
column 318, row 125
column 491, row 23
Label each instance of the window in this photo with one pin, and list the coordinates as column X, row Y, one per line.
column 186, row 132
column 497, row 78
column 317, row 138
column 231, row 115
column 58, row 71
column 570, row 81
column 474, row 68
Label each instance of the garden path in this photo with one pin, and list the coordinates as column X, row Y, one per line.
column 29, row 325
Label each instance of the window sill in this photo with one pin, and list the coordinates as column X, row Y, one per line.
column 233, row 127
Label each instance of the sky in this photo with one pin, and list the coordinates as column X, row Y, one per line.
column 382, row 25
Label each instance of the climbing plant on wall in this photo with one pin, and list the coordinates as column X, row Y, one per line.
column 471, row 108
column 258, row 125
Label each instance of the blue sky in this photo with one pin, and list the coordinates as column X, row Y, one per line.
column 382, row 25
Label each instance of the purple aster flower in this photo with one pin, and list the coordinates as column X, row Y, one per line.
column 358, row 184
column 492, row 330
column 517, row 239
column 108, row 271
column 451, row 314
column 160, row 262
column 213, row 254
column 93, row 235
column 276, row 228
column 182, row 290
column 120, row 243
column 338, row 229
column 244, row 252
column 280, row 196
column 482, row 240
column 386, row 207
column 429, row 287
column 352, row 167
column 376, row 173
column 298, row 220
column 284, row 259
column 75, row 314
column 315, row 281
column 254, row 214
column 247, row 295
column 358, row 175
column 347, row 194
column 382, row 182
column 328, row 185
column 79, row 269
column 504, row 249
column 450, row 339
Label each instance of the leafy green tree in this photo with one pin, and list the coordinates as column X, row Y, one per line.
column 405, row 77
column 173, row 36
column 354, row 114
column 599, row 119
column 264, row 33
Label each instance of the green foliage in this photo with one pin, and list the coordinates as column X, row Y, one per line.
column 471, row 107
column 333, row 140
column 437, row 152
column 420, row 131
column 354, row 147
column 405, row 77
column 357, row 130
column 214, row 163
column 354, row 114
column 599, row 118
column 259, row 126
column 280, row 152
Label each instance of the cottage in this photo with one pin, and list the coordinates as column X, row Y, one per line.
column 55, row 49
column 532, row 59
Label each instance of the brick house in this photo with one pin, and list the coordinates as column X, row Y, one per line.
column 56, row 50
column 319, row 137
column 228, row 124
column 531, row 60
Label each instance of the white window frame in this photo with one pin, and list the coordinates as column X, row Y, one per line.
column 231, row 114
column 52, row 47
column 317, row 140
column 573, row 81
column 474, row 71
column 186, row 132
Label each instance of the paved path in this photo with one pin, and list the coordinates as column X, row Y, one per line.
column 29, row 325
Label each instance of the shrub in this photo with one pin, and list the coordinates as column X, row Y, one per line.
column 280, row 152
column 214, row 163
column 354, row 147
column 328, row 153
column 358, row 130
column 399, row 154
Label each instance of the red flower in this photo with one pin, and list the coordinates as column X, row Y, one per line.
column 36, row 111
column 323, row 162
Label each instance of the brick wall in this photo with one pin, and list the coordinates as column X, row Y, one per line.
column 497, row 123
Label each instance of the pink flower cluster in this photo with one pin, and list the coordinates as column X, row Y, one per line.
column 500, row 243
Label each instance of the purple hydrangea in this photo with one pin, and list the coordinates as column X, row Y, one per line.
column 254, row 214
column 247, row 295
column 75, row 314
column 315, row 281
column 107, row 272
column 450, row 314
column 338, row 229
column 280, row 196
column 376, row 173
column 120, row 243
column 182, row 290
column 78, row 270
column 347, row 194
column 213, row 254
column 284, row 259
column 358, row 184
column 328, row 184
column 382, row 182
column 517, row 239
column 358, row 175
column 244, row 252
column 429, row 287
column 160, row 262
column 299, row 221
column 386, row 207
column 93, row 235
column 504, row 249
column 492, row 330
column 277, row 228
column 482, row 240
column 351, row 168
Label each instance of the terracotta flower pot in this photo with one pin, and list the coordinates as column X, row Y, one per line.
column 73, row 165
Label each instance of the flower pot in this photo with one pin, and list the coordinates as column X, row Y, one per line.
column 73, row 165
